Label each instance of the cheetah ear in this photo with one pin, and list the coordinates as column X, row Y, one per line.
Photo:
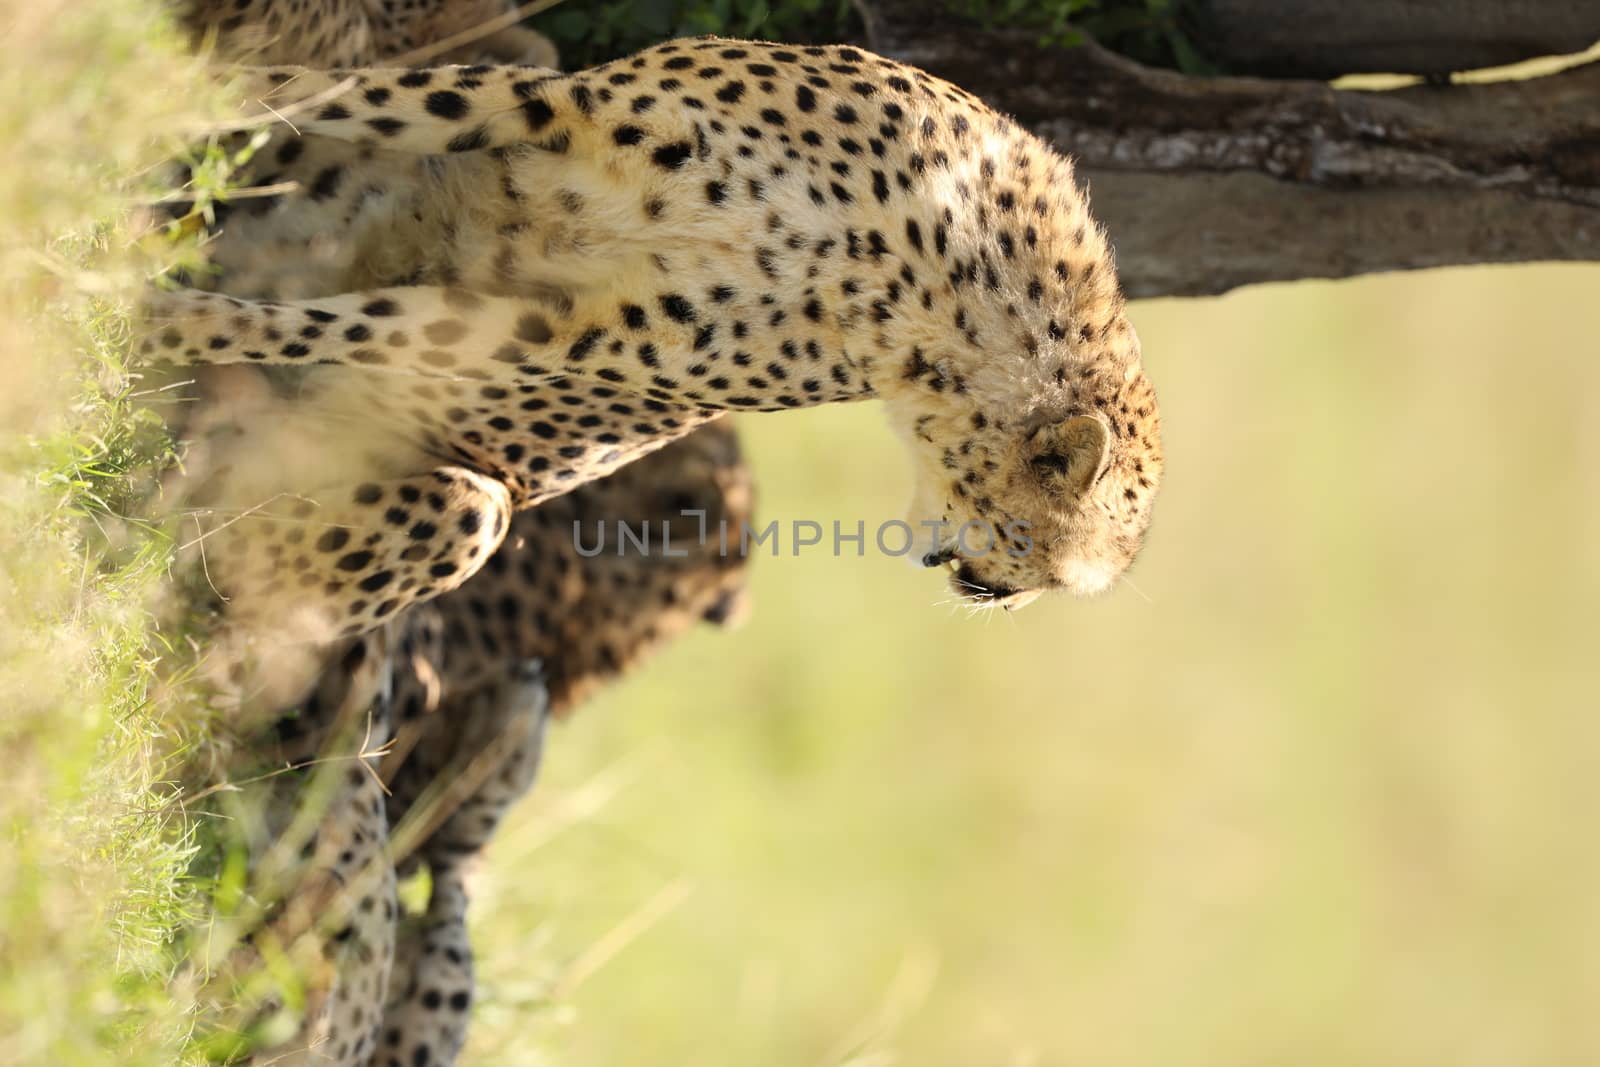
column 1071, row 455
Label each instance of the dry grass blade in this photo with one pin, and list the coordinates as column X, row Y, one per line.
column 620, row 936
column 476, row 33
column 283, row 114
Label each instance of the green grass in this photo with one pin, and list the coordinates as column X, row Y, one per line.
column 1150, row 31
column 93, row 893
column 592, row 31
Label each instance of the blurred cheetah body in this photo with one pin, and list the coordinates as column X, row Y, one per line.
column 470, row 709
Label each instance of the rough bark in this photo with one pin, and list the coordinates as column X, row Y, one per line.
column 1326, row 38
column 1210, row 183
column 1202, row 234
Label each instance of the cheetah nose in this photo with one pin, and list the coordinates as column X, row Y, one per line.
column 729, row 609
column 939, row 558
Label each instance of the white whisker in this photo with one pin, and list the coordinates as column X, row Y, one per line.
column 1142, row 594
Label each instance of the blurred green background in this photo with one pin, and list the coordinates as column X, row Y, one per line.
column 1317, row 786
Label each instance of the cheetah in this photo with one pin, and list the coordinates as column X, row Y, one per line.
column 709, row 226
column 548, row 284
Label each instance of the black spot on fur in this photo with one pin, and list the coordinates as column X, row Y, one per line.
column 672, row 156
column 537, row 114
column 373, row 582
column 584, row 345
column 326, row 183
column 677, row 308
column 470, row 141
column 533, row 329
column 446, row 104
column 333, row 540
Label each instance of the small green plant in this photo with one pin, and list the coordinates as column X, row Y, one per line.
column 593, row 31
column 97, row 902
column 1150, row 31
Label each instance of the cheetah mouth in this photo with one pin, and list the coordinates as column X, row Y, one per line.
column 965, row 581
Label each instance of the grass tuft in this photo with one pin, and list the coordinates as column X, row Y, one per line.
column 94, row 892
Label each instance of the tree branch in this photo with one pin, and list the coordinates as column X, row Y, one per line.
column 1326, row 38
column 1210, row 183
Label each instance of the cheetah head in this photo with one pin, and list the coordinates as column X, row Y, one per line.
column 1036, row 483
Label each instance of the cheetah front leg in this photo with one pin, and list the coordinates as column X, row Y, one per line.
column 474, row 756
column 424, row 330
column 345, row 908
column 307, row 989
